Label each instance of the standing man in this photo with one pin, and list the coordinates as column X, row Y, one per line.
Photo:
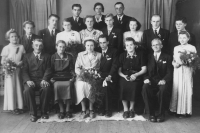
column 36, row 74
column 108, row 69
column 157, row 82
column 115, row 36
column 121, row 20
column 156, row 32
column 48, row 34
column 76, row 21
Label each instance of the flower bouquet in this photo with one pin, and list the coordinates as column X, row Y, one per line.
column 93, row 77
column 9, row 67
column 190, row 59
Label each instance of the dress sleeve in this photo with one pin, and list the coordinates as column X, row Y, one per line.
column 23, row 50
column 78, row 65
column 4, row 51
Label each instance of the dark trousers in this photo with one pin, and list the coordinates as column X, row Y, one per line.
column 108, row 96
column 156, row 94
column 29, row 97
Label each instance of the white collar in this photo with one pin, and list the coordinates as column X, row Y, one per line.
column 37, row 54
column 75, row 18
column 158, row 54
column 158, row 29
column 99, row 19
column 50, row 29
column 29, row 36
column 120, row 16
column 105, row 50
column 109, row 29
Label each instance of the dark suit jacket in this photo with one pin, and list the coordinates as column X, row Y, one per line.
column 48, row 41
column 149, row 35
column 77, row 26
column 160, row 70
column 108, row 65
column 173, row 40
column 115, row 39
column 33, row 71
column 101, row 24
column 27, row 43
column 124, row 25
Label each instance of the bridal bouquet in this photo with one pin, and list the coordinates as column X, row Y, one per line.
column 92, row 77
column 190, row 59
column 9, row 67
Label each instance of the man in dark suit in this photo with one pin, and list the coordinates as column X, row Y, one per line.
column 108, row 69
column 157, row 82
column 48, row 35
column 28, row 37
column 36, row 74
column 114, row 34
column 121, row 20
column 76, row 21
column 180, row 23
column 156, row 32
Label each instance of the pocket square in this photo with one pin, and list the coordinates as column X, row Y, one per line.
column 114, row 36
column 164, row 62
column 108, row 58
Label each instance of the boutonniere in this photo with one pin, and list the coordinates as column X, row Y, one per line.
column 160, row 61
column 113, row 33
column 159, row 35
column 107, row 57
column 40, row 59
column 164, row 62
column 94, row 33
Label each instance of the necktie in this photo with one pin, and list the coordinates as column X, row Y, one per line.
column 52, row 33
column 156, row 58
column 156, row 33
column 29, row 37
column 120, row 20
column 37, row 58
column 77, row 20
column 103, row 54
column 109, row 32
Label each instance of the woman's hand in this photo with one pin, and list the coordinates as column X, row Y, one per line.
column 175, row 64
column 133, row 77
column 19, row 64
column 126, row 77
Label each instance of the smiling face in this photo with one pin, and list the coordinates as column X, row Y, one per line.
column 183, row 39
column 119, row 9
column 89, row 22
column 98, row 10
column 109, row 21
column 155, row 22
column 13, row 38
column 53, row 22
column 76, row 11
column 37, row 46
column 89, row 46
column 133, row 25
column 67, row 26
column 180, row 26
column 28, row 29
column 60, row 48
column 156, row 46
column 130, row 46
column 103, row 43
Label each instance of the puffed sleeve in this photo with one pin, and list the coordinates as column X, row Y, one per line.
column 4, row 51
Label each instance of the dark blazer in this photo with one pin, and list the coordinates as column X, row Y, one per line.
column 48, row 41
column 108, row 65
column 36, row 71
column 77, row 26
column 27, row 43
column 149, row 35
column 123, row 26
column 101, row 24
column 160, row 70
column 173, row 40
column 115, row 39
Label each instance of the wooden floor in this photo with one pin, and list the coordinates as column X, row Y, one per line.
column 10, row 123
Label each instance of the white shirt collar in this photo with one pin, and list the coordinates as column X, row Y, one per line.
column 158, row 55
column 99, row 19
column 105, row 50
column 75, row 18
column 29, row 36
column 50, row 29
column 158, row 29
column 120, row 17
column 37, row 54
column 109, row 29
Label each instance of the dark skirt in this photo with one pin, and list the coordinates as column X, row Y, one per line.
column 129, row 89
column 62, row 90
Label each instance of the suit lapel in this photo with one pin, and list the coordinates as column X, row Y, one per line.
column 41, row 60
column 104, row 59
column 33, row 59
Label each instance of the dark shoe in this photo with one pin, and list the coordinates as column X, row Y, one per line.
column 16, row 112
column 108, row 114
column 33, row 118
column 92, row 114
column 101, row 113
column 84, row 115
column 126, row 114
column 45, row 116
column 61, row 115
column 68, row 114
column 171, row 113
column 152, row 118
column 179, row 116
column 161, row 118
column 188, row 115
column 131, row 114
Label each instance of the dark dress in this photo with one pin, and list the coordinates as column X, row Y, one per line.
column 60, row 67
column 130, row 89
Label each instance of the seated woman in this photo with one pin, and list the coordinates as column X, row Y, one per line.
column 85, row 60
column 63, row 70
column 132, row 66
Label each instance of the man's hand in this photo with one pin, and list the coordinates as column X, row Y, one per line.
column 30, row 84
column 126, row 77
column 52, row 80
column 147, row 81
column 109, row 78
column 44, row 83
column 133, row 77
column 162, row 82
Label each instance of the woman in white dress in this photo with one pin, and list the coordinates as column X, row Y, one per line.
column 181, row 101
column 85, row 60
column 90, row 32
column 70, row 37
column 134, row 32
column 13, row 98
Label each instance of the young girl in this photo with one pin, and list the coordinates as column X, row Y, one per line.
column 181, row 101
column 13, row 100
